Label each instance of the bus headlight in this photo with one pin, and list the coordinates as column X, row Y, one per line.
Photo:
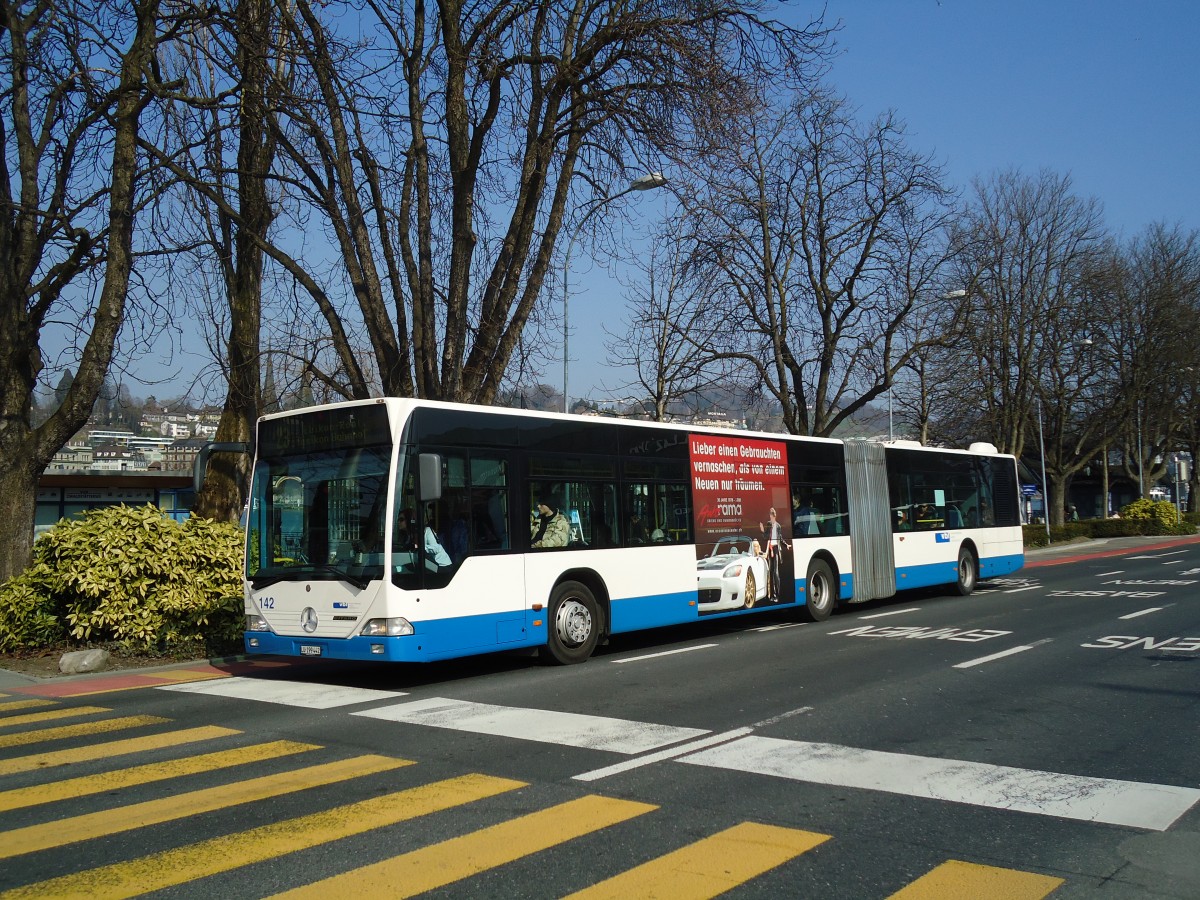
column 387, row 628
column 257, row 623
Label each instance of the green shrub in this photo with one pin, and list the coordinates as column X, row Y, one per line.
column 29, row 616
column 130, row 575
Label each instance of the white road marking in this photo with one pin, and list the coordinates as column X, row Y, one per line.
column 1129, row 803
column 1117, row 572
column 1143, row 612
column 895, row 612
column 779, row 718
column 1031, row 587
column 664, row 653
column 1003, row 653
column 1158, row 555
column 661, row 755
column 285, row 693
column 542, row 725
column 778, row 627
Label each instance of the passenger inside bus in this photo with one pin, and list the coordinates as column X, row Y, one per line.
column 550, row 527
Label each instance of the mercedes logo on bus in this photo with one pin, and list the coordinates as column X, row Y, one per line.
column 308, row 619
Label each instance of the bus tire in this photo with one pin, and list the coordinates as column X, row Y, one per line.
column 574, row 624
column 968, row 571
column 819, row 591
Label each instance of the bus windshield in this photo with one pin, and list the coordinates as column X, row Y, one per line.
column 318, row 516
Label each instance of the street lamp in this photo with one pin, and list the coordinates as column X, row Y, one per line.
column 641, row 183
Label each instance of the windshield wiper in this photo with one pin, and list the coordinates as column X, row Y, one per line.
column 357, row 580
column 300, row 573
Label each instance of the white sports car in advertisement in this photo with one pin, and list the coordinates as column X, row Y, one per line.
column 731, row 576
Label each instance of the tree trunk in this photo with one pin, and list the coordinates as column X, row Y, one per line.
column 24, row 451
column 18, row 502
column 227, row 482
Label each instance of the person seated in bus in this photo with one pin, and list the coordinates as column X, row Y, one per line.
column 902, row 521
column 402, row 538
column 806, row 519
column 550, row 527
column 435, row 553
column 638, row 532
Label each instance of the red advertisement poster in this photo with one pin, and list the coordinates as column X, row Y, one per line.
column 743, row 523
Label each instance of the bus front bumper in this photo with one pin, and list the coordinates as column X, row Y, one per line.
column 387, row 649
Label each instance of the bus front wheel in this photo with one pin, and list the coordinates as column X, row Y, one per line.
column 968, row 571
column 819, row 591
column 574, row 624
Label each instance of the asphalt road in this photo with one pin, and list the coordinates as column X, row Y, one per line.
column 1040, row 738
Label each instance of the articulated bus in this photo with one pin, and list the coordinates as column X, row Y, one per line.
column 406, row 530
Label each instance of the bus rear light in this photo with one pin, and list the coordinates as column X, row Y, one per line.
column 257, row 623
column 387, row 628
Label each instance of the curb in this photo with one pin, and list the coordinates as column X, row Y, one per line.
column 1069, row 554
column 12, row 679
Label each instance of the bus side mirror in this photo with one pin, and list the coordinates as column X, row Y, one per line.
column 200, row 467
column 429, row 480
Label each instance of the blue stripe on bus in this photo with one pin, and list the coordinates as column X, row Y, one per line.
column 435, row 639
column 933, row 574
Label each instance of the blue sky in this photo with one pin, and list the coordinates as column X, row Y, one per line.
column 1106, row 91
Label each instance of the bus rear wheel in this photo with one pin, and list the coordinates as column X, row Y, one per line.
column 574, row 624
column 968, row 572
column 819, row 591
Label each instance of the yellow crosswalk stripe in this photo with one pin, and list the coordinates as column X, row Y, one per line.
column 52, row 715
column 232, row 851
column 450, row 861
column 180, row 806
column 69, row 731
column 73, row 788
column 711, row 866
column 953, row 879
column 54, row 758
column 32, row 703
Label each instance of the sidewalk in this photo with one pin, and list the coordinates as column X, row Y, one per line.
column 18, row 683
column 1097, row 548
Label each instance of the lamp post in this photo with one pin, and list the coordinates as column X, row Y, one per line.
column 641, row 183
column 1045, row 484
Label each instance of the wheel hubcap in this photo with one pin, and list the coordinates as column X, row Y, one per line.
column 574, row 622
column 819, row 592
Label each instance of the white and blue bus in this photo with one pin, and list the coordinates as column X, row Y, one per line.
column 409, row 530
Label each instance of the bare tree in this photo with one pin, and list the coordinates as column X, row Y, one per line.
column 444, row 160
column 226, row 150
column 1159, row 306
column 77, row 78
column 825, row 235
column 671, row 330
column 1026, row 247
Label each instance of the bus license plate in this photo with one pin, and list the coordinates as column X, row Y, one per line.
column 309, row 650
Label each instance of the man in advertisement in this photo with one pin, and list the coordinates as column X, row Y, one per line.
column 776, row 545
